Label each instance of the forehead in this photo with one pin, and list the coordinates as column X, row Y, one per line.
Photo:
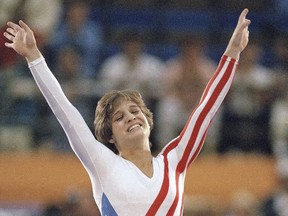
column 122, row 102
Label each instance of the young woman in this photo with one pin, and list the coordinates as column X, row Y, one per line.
column 132, row 181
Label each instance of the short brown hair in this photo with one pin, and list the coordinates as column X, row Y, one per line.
column 105, row 108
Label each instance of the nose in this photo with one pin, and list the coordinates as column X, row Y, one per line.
column 130, row 117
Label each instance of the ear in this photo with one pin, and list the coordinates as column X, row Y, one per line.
column 112, row 140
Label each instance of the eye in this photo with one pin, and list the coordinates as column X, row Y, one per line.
column 135, row 111
column 119, row 118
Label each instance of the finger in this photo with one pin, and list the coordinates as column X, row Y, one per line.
column 9, row 45
column 243, row 24
column 8, row 36
column 247, row 22
column 24, row 26
column 243, row 14
column 11, row 31
column 14, row 26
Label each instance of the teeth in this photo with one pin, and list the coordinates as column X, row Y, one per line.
column 133, row 126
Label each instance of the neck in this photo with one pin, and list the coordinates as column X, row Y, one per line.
column 141, row 159
column 136, row 155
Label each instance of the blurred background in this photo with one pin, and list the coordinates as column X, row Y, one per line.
column 167, row 50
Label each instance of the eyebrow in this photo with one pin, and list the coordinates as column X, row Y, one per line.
column 131, row 106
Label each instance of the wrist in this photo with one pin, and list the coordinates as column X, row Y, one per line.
column 235, row 54
column 33, row 55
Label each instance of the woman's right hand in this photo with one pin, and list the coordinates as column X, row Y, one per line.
column 22, row 40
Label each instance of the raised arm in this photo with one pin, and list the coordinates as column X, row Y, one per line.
column 191, row 139
column 82, row 141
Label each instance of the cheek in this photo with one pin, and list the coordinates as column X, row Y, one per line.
column 146, row 119
column 148, row 123
column 114, row 133
column 116, row 127
column 113, row 128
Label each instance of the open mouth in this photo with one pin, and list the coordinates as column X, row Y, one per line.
column 133, row 127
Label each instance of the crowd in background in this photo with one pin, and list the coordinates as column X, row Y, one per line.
column 91, row 52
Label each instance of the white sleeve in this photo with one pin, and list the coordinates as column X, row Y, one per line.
column 81, row 139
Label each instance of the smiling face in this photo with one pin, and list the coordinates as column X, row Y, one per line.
column 115, row 107
column 130, row 127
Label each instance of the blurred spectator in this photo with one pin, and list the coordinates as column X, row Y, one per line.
column 18, row 106
column 6, row 76
column 18, row 101
column 41, row 15
column 81, row 33
column 48, row 131
column 277, row 203
column 132, row 63
column 279, row 114
column 246, row 109
column 279, row 127
column 185, row 79
column 281, row 53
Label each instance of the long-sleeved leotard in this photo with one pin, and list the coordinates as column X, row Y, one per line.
column 119, row 187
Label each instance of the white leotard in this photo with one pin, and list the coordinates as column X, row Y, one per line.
column 119, row 187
